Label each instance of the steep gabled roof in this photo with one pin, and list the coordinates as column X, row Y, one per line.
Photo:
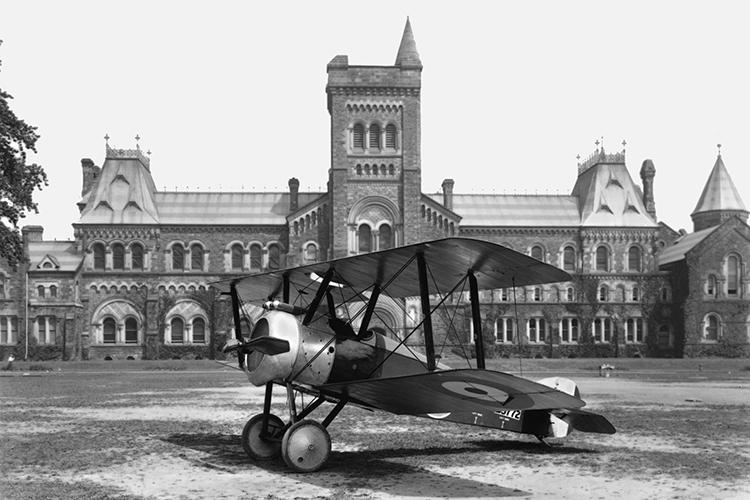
column 683, row 245
column 719, row 193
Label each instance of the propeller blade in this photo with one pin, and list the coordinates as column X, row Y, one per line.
column 266, row 345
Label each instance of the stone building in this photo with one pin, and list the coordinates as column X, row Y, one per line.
column 134, row 282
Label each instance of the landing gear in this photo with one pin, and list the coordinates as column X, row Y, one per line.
column 260, row 445
column 306, row 446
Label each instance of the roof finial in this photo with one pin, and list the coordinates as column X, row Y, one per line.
column 718, row 146
column 106, row 139
column 624, row 143
column 137, row 138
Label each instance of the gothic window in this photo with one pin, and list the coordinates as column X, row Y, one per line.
column 365, row 239
column 733, row 274
column 53, row 291
column 196, row 257
column 385, row 236
column 537, row 252
column 390, row 136
column 634, row 330
column 256, row 257
column 109, row 331
column 711, row 285
column 177, row 327
column 199, row 331
column 634, row 259
column 569, row 330
column 131, row 331
column 307, row 221
column 136, row 256
column 569, row 259
column 99, row 260
column 535, row 329
column 711, row 328
column 374, row 136
column 504, row 331
column 237, row 256
column 40, row 291
column 178, row 257
column 602, row 258
column 118, row 256
column 602, row 330
column 311, row 252
column 358, row 136
column 274, row 256
column 603, row 293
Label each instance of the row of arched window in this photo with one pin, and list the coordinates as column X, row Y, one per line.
column 602, row 258
column 370, row 240
column 437, row 220
column 255, row 253
column 730, row 284
column 135, row 250
column 605, row 293
column 308, row 221
column 537, row 331
column 373, row 137
column 375, row 170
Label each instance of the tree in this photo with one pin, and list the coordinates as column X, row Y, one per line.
column 17, row 179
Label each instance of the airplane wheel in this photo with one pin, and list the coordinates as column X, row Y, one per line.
column 257, row 447
column 306, row 446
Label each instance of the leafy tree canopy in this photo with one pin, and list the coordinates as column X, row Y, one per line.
column 17, row 179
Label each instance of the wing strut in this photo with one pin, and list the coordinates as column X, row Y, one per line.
column 322, row 289
column 370, row 309
column 424, row 292
column 476, row 318
column 236, row 315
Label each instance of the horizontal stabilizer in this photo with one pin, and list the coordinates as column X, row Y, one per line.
column 585, row 421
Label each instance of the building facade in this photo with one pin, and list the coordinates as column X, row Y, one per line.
column 134, row 282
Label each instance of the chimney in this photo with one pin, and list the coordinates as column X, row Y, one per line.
column 648, row 172
column 448, row 194
column 90, row 175
column 31, row 233
column 293, row 194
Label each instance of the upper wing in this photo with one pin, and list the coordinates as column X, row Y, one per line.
column 449, row 259
column 464, row 390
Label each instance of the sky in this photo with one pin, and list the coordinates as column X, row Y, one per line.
column 231, row 95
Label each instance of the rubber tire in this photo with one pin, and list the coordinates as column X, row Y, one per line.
column 306, row 446
column 254, row 446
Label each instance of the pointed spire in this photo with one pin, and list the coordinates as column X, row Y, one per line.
column 720, row 192
column 408, row 57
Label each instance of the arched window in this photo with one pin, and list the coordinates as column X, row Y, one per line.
column 537, row 252
column 536, row 329
column 391, row 170
column 109, row 331
column 569, row 259
column 603, row 293
column 365, row 239
column 733, row 275
column 390, row 136
column 99, row 260
column 238, row 254
column 602, row 258
column 256, row 257
column 634, row 259
column 375, row 136
column 385, row 237
column 314, row 218
column 118, row 256
column 196, row 257
column 570, row 294
column 634, row 332
column 311, row 252
column 199, row 331
column 296, row 228
column 53, row 291
column 537, row 294
column 602, row 330
column 178, row 257
column 636, row 294
column 569, row 330
column 131, row 331
column 177, row 327
column 136, row 256
column 358, row 136
column 40, row 291
column 274, row 256
column 711, row 285
column 712, row 328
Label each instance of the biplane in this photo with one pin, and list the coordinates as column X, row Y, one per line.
column 306, row 339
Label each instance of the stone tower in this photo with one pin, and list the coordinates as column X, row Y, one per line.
column 719, row 201
column 375, row 175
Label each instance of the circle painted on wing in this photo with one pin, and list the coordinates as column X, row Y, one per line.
column 476, row 391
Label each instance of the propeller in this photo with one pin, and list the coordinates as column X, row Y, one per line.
column 265, row 345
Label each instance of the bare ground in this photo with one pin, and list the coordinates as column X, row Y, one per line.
column 175, row 434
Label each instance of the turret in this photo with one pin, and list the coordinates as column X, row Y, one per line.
column 293, row 194
column 648, row 172
column 719, row 201
column 448, row 193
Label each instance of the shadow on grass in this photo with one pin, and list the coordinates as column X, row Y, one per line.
column 381, row 470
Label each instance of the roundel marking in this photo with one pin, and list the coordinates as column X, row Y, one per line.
column 476, row 391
